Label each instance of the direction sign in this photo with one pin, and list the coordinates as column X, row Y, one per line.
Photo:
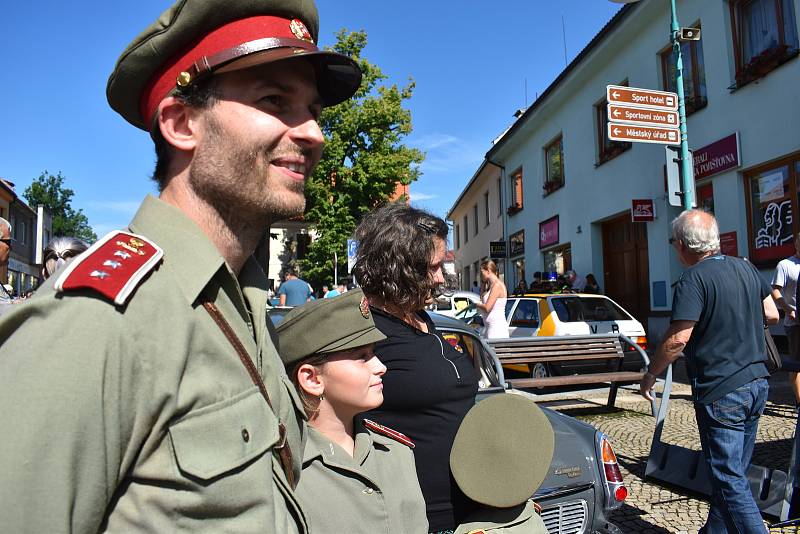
column 647, row 117
column 643, row 134
column 618, row 94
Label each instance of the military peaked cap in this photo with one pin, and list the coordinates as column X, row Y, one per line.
column 196, row 38
column 339, row 323
column 502, row 451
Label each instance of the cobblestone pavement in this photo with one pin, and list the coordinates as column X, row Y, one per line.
column 652, row 508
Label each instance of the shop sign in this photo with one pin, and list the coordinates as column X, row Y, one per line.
column 728, row 244
column 497, row 249
column 548, row 232
column 517, row 243
column 717, row 157
column 643, row 210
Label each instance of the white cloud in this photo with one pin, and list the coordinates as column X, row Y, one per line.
column 418, row 197
column 449, row 154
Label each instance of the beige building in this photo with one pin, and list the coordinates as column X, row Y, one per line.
column 477, row 220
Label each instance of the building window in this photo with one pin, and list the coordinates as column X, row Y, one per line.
column 607, row 149
column 772, row 200
column 558, row 259
column 475, row 219
column 554, row 165
column 516, row 192
column 466, row 283
column 694, row 74
column 458, row 237
column 764, row 36
column 477, row 270
column 466, row 230
column 499, row 196
column 486, row 208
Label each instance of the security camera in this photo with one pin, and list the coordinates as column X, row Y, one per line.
column 689, row 34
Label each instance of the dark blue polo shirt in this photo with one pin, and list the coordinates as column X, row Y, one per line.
column 724, row 296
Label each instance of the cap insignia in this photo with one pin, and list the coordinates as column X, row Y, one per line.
column 99, row 274
column 300, row 31
column 364, row 307
column 111, row 263
column 184, row 79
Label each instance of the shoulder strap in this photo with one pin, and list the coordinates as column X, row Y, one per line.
column 284, row 452
column 113, row 266
column 388, row 432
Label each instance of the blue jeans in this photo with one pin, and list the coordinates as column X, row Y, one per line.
column 728, row 429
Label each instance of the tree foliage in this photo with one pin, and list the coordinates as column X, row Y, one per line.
column 49, row 191
column 363, row 162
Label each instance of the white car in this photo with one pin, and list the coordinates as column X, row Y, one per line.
column 545, row 314
column 451, row 304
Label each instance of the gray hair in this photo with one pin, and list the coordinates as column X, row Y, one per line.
column 697, row 230
column 5, row 223
column 58, row 251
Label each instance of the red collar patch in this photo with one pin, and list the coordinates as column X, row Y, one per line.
column 113, row 266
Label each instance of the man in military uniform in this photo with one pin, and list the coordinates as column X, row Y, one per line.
column 141, row 389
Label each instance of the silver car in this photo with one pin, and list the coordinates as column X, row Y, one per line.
column 584, row 483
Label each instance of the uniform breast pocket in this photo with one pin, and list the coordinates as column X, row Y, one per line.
column 214, row 440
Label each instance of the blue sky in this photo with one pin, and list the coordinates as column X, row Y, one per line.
column 471, row 64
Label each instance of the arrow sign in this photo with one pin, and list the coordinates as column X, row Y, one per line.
column 643, row 116
column 617, row 94
column 643, row 134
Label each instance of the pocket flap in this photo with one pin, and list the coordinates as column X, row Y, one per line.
column 221, row 437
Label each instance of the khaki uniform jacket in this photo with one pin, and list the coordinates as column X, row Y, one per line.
column 522, row 519
column 374, row 491
column 142, row 418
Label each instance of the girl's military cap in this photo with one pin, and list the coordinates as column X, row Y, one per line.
column 502, row 451
column 339, row 323
column 194, row 39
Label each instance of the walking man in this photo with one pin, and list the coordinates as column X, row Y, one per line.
column 718, row 311
column 141, row 389
column 5, row 254
column 784, row 291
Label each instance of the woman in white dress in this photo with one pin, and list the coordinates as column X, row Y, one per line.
column 493, row 308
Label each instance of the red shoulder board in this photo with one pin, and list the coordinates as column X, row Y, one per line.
column 113, row 266
column 386, row 431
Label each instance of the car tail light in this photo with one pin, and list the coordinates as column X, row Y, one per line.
column 641, row 341
column 615, row 486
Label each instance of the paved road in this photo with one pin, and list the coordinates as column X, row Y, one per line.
column 651, row 508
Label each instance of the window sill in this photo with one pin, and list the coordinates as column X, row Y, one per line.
column 551, row 187
column 608, row 156
column 760, row 66
column 513, row 210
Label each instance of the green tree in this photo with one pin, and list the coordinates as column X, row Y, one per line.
column 364, row 161
column 49, row 191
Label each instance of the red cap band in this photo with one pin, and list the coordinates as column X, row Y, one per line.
column 228, row 36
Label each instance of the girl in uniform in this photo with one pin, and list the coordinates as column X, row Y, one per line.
column 355, row 478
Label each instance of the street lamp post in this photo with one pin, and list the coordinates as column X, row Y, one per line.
column 687, row 174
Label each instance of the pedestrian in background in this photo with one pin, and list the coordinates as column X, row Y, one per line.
column 493, row 302
column 576, row 283
column 58, row 252
column 784, row 291
column 6, row 297
column 475, row 288
column 719, row 308
column 293, row 291
column 357, row 477
column 591, row 285
column 429, row 385
column 141, row 388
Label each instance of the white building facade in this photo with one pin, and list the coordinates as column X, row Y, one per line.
column 568, row 191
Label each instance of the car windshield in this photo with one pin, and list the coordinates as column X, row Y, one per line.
column 580, row 309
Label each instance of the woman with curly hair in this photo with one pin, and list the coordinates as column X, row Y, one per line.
column 429, row 385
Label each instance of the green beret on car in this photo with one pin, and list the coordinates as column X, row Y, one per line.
column 502, row 451
column 327, row 325
column 194, row 39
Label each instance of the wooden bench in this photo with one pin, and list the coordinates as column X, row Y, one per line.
column 533, row 350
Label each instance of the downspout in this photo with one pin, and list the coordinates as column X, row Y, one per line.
column 504, row 213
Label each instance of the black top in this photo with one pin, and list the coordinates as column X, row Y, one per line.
column 427, row 390
column 724, row 296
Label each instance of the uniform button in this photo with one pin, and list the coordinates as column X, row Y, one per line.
column 245, row 435
column 368, row 491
